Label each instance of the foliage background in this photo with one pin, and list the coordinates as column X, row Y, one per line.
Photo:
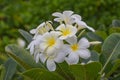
column 27, row 14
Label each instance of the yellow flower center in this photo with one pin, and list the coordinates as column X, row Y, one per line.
column 51, row 42
column 65, row 32
column 74, row 47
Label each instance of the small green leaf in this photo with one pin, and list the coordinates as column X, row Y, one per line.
column 26, row 35
column 88, row 71
column 10, row 67
column 110, row 51
column 22, row 57
column 41, row 74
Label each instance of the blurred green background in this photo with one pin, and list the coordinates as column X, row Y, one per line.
column 28, row 14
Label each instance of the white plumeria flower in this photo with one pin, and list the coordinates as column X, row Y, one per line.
column 51, row 61
column 65, row 16
column 34, row 48
column 50, row 42
column 69, row 18
column 41, row 29
column 66, row 31
column 77, row 50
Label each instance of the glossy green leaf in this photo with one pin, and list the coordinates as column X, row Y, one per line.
column 110, row 51
column 41, row 74
column 26, row 35
column 10, row 67
column 64, row 70
column 94, row 36
column 88, row 71
column 115, row 65
column 22, row 57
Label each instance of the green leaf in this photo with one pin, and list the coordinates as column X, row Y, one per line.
column 110, row 51
column 26, row 35
column 94, row 36
column 2, row 72
column 10, row 67
column 94, row 56
column 64, row 70
column 88, row 71
column 41, row 74
column 22, row 57
column 115, row 66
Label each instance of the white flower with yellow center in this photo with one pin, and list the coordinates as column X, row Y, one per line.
column 66, row 31
column 77, row 49
column 50, row 42
column 69, row 18
column 41, row 29
column 58, row 57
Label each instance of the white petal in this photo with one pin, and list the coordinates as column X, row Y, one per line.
column 73, row 30
column 43, row 57
column 72, row 40
column 55, row 34
column 43, row 46
column 60, row 57
column 58, row 44
column 84, row 43
column 73, row 58
column 51, row 65
column 84, row 25
column 57, row 14
column 37, row 58
column 68, row 13
column 84, row 53
column 33, row 31
column 62, row 26
column 31, row 47
column 41, row 25
column 90, row 28
column 66, row 49
column 76, row 17
column 63, row 37
column 51, row 51
column 58, row 19
column 81, row 24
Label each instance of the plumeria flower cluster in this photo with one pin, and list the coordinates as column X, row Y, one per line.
column 51, row 46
